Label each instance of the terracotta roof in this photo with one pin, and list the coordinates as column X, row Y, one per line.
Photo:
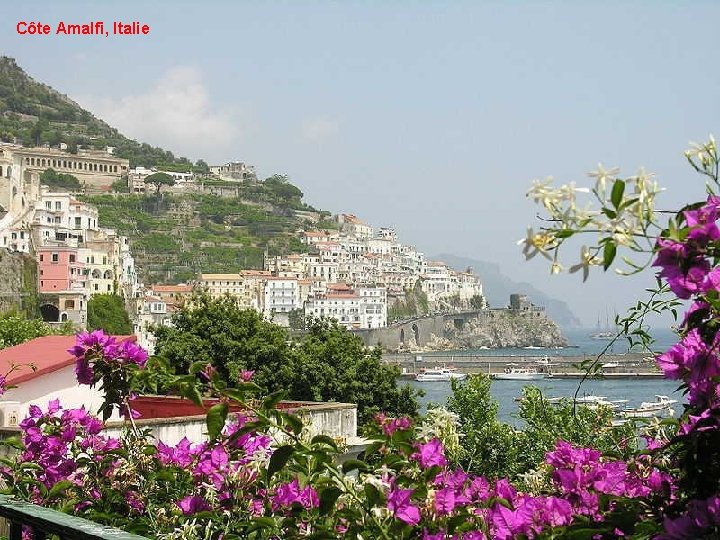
column 47, row 354
column 171, row 288
column 220, row 277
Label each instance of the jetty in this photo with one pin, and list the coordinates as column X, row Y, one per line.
column 610, row 366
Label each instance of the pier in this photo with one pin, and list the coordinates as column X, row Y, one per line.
column 616, row 366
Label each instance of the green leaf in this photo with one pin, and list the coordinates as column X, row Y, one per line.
column 324, row 439
column 372, row 495
column 352, row 464
column 13, row 442
column 564, row 233
column 192, row 393
column 59, row 488
column 609, row 254
column 296, row 425
column 617, row 193
column 215, row 419
column 328, row 497
column 273, row 399
column 279, row 458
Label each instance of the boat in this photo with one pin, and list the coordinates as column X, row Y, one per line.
column 648, row 409
column 610, row 365
column 440, row 374
column 520, row 374
column 604, row 334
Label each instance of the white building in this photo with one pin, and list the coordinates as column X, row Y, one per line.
column 282, row 295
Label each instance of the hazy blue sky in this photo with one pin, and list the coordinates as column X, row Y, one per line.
column 431, row 117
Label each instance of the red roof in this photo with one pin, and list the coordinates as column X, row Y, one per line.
column 46, row 354
column 171, row 288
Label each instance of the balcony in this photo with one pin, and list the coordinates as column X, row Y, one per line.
column 45, row 522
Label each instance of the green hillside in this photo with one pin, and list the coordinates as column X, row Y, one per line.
column 32, row 113
column 172, row 236
column 178, row 236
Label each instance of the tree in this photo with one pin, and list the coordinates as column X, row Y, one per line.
column 477, row 302
column 15, row 329
column 201, row 167
column 494, row 449
column 233, row 339
column 159, row 180
column 54, row 179
column 107, row 312
column 328, row 364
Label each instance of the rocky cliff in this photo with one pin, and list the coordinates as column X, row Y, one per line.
column 505, row 328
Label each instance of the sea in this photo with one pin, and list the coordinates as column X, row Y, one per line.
column 635, row 391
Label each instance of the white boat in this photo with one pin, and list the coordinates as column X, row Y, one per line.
column 520, row 374
column 648, row 409
column 603, row 335
column 610, row 365
column 440, row 374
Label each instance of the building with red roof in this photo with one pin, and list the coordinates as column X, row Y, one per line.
column 42, row 369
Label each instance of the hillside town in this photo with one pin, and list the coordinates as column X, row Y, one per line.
column 352, row 272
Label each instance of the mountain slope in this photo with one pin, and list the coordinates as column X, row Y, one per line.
column 497, row 288
column 32, row 114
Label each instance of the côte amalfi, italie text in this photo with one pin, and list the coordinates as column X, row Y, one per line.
column 92, row 28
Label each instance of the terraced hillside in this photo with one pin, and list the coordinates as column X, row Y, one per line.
column 175, row 237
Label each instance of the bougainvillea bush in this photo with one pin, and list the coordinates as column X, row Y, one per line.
column 259, row 475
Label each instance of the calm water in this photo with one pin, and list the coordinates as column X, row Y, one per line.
column 580, row 344
column 505, row 392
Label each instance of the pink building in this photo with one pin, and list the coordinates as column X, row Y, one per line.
column 60, row 269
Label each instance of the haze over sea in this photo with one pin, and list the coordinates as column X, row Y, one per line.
column 634, row 390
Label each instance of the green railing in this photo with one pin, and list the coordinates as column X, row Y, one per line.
column 46, row 522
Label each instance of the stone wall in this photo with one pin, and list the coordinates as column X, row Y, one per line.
column 18, row 283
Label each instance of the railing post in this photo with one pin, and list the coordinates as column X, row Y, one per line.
column 15, row 530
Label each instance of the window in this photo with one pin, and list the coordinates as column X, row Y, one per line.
column 58, row 205
column 55, row 257
column 72, row 257
column 48, row 205
column 41, row 257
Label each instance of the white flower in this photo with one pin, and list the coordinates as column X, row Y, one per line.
column 541, row 192
column 587, row 260
column 602, row 176
column 537, row 243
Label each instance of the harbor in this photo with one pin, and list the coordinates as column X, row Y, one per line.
column 612, row 366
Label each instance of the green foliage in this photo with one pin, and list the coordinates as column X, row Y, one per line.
column 120, row 186
column 477, row 302
column 15, row 329
column 35, row 114
column 329, row 363
column 54, row 179
column 107, row 312
column 159, row 180
column 495, row 449
column 193, row 233
column 415, row 304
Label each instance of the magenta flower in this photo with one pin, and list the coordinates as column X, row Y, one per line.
column 398, row 502
column 132, row 353
column 193, row 504
column 391, row 425
column 246, row 375
column 431, row 454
